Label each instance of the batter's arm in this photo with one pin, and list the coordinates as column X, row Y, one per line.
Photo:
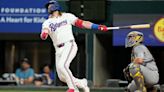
column 89, row 25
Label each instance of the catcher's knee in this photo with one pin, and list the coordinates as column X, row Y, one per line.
column 135, row 70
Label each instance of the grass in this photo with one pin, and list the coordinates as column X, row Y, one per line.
column 28, row 91
column 55, row 89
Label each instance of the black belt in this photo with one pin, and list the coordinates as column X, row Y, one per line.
column 147, row 62
column 62, row 44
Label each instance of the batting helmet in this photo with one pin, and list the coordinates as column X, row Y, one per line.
column 53, row 5
column 133, row 38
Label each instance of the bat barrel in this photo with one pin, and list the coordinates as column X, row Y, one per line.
column 140, row 26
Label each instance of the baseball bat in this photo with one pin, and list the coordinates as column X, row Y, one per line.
column 139, row 26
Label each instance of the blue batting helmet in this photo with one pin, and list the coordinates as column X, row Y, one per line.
column 54, row 6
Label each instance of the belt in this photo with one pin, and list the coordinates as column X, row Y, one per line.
column 62, row 44
column 147, row 62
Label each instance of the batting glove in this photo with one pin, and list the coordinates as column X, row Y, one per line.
column 103, row 28
column 44, row 36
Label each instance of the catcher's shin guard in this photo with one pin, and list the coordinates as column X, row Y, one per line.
column 137, row 76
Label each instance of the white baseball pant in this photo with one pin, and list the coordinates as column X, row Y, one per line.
column 64, row 56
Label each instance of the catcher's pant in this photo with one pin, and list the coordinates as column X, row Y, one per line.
column 64, row 56
column 151, row 77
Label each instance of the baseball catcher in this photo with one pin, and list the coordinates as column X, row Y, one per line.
column 142, row 72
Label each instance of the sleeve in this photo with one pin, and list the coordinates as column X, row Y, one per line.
column 71, row 18
column 138, row 52
column 45, row 25
column 31, row 73
column 17, row 73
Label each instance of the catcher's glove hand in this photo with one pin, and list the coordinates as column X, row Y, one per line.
column 127, row 74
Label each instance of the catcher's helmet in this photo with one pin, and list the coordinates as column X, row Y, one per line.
column 53, row 5
column 133, row 38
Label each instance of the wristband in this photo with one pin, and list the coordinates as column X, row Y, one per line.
column 95, row 26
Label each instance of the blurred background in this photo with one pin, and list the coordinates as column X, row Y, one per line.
column 101, row 56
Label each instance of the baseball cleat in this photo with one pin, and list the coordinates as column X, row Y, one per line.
column 70, row 90
column 85, row 85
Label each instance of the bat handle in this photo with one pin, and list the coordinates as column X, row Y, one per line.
column 113, row 28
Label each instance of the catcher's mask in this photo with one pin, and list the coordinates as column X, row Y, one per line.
column 133, row 38
column 52, row 6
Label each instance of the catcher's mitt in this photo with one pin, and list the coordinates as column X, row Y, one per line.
column 127, row 74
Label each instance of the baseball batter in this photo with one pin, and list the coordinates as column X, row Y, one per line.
column 59, row 27
column 142, row 68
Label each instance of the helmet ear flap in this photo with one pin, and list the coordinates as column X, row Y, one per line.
column 51, row 8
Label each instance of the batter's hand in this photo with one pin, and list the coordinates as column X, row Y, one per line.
column 103, row 28
column 44, row 36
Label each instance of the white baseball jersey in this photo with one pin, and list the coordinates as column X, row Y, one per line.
column 60, row 31
column 60, row 28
